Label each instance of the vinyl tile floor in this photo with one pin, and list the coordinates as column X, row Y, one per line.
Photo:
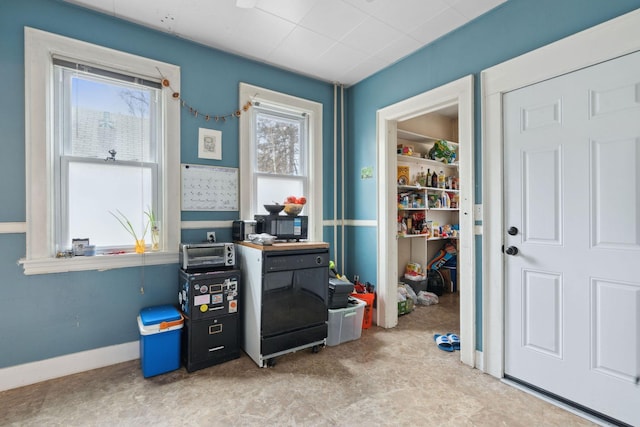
column 388, row 377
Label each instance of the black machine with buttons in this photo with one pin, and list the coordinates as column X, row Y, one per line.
column 209, row 300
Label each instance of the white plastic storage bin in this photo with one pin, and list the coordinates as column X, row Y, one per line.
column 345, row 324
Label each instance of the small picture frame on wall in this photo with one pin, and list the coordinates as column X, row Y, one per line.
column 209, row 144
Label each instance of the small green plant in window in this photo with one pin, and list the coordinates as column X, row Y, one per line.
column 124, row 221
column 155, row 229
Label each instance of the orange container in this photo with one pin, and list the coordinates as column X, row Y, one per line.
column 368, row 298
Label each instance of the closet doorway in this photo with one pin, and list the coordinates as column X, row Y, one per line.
column 452, row 99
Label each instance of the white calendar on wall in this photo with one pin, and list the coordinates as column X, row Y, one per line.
column 209, row 188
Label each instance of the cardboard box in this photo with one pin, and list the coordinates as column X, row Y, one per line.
column 405, row 307
column 403, row 175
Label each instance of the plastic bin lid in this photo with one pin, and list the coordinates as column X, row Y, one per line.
column 159, row 314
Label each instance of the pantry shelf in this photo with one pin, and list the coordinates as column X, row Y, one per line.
column 410, row 236
column 428, row 162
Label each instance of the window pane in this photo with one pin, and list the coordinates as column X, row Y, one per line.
column 97, row 189
column 279, row 144
column 276, row 189
column 108, row 115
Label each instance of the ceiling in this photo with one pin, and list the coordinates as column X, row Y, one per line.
column 338, row 41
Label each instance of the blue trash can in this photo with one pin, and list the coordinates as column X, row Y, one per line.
column 160, row 333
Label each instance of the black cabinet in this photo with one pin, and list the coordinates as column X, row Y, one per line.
column 210, row 342
column 211, row 307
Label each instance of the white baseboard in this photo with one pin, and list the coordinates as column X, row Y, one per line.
column 479, row 360
column 56, row 367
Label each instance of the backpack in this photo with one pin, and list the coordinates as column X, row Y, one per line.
column 435, row 282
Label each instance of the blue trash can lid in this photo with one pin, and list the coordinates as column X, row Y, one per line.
column 162, row 313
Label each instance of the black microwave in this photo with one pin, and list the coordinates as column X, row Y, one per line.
column 284, row 227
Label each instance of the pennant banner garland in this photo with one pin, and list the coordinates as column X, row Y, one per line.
column 196, row 113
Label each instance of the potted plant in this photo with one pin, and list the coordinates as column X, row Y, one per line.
column 155, row 229
column 124, row 221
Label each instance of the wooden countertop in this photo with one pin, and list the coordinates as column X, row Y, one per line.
column 285, row 246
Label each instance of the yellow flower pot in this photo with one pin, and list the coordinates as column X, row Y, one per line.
column 140, row 246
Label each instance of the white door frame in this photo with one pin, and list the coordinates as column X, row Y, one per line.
column 603, row 42
column 460, row 93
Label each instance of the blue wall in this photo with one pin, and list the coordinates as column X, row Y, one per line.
column 514, row 28
column 50, row 315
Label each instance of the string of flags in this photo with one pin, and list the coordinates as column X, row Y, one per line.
column 196, row 113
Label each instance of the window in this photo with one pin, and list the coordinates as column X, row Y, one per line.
column 106, row 157
column 98, row 127
column 283, row 140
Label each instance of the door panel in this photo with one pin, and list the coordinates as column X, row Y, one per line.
column 542, row 196
column 615, row 309
column 542, row 300
column 572, row 188
column 615, row 193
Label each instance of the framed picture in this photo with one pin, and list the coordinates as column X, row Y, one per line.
column 209, row 144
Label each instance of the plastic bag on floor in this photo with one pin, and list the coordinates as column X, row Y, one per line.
column 402, row 293
column 427, row 298
column 410, row 293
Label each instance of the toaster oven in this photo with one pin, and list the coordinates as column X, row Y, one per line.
column 206, row 256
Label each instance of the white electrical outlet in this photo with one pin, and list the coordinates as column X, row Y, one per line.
column 211, row 236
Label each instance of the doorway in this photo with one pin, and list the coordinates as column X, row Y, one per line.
column 457, row 94
column 572, row 152
column 612, row 39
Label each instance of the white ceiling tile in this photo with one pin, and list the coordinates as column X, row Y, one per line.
column 343, row 56
column 333, row 18
column 399, row 48
column 162, row 14
column 338, row 59
column 207, row 28
column 261, row 27
column 332, row 40
column 291, row 10
column 408, row 14
column 368, row 6
column 446, row 22
column 473, row 9
column 105, row 6
column 362, row 70
column 300, row 47
column 370, row 35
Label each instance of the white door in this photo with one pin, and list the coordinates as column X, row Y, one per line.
column 572, row 191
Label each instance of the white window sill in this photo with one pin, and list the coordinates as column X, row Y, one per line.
column 98, row 262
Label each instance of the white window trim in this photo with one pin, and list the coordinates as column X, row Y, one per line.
column 249, row 93
column 40, row 47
